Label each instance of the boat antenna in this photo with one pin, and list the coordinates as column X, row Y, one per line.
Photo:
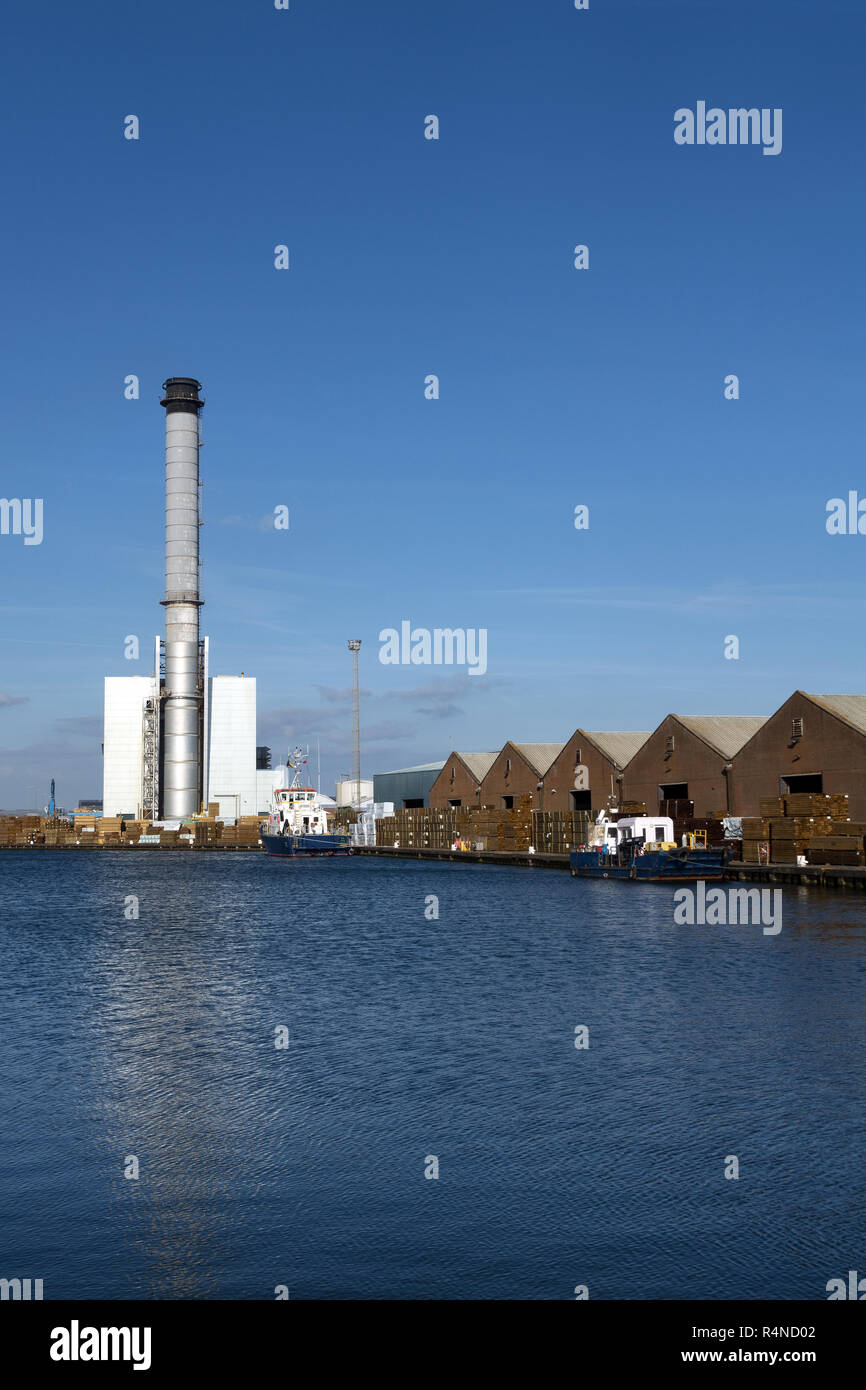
column 296, row 760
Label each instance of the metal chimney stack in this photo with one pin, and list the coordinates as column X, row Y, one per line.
column 180, row 745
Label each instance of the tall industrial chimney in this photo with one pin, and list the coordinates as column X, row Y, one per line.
column 183, row 695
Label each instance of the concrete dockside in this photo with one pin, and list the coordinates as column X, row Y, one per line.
column 510, row 858
column 808, row 876
column 812, row 876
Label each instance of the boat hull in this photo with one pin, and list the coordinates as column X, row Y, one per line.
column 305, row 846
column 656, row 866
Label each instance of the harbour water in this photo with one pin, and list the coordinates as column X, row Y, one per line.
column 413, row 1036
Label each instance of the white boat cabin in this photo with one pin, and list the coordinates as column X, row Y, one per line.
column 653, row 830
column 297, row 811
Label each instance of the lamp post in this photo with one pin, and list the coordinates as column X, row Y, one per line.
column 354, row 648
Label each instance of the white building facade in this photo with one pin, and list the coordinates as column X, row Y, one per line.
column 123, row 743
column 229, row 751
column 267, row 781
column 231, row 745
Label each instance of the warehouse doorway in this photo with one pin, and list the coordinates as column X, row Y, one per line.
column 581, row 801
column 454, row 804
column 803, row 782
column 507, row 803
column 413, row 804
column 674, row 791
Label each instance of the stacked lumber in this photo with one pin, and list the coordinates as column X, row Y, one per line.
column 16, row 832
column 207, row 831
column 558, row 832
column 245, row 833
column 832, row 804
column 485, row 828
column 836, row 849
column 813, row 825
column 756, row 840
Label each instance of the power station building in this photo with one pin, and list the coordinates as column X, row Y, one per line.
column 180, row 739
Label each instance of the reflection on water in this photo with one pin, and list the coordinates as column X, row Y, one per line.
column 258, row 1167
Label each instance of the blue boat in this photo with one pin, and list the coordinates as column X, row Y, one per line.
column 297, row 827
column 303, row 846
column 643, row 848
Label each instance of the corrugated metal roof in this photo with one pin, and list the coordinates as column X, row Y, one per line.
column 479, row 764
column 422, row 767
column 619, row 747
column 850, row 708
column 539, row 755
column 725, row 732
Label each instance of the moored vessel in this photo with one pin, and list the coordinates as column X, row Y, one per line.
column 643, row 848
column 297, row 826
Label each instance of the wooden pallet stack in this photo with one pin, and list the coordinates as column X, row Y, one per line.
column 558, row 832
column 16, row 832
column 483, row 827
column 207, row 832
column 244, row 833
column 108, row 831
column 810, row 825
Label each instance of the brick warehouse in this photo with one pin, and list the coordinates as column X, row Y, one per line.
column 459, row 782
column 690, row 759
column 518, row 771
column 813, row 743
column 588, row 771
column 721, row 764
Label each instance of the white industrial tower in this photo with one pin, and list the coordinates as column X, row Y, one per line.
column 180, row 739
column 182, row 692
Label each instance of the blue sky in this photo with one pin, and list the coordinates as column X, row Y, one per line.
column 454, row 257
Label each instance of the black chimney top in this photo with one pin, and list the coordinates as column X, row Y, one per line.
column 181, row 392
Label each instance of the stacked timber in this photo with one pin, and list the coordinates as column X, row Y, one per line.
column 558, row 832
column 16, row 832
column 108, row 831
column 483, row 828
column 827, row 804
column 810, row 825
column 756, row 840
column 244, row 833
column 207, row 831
